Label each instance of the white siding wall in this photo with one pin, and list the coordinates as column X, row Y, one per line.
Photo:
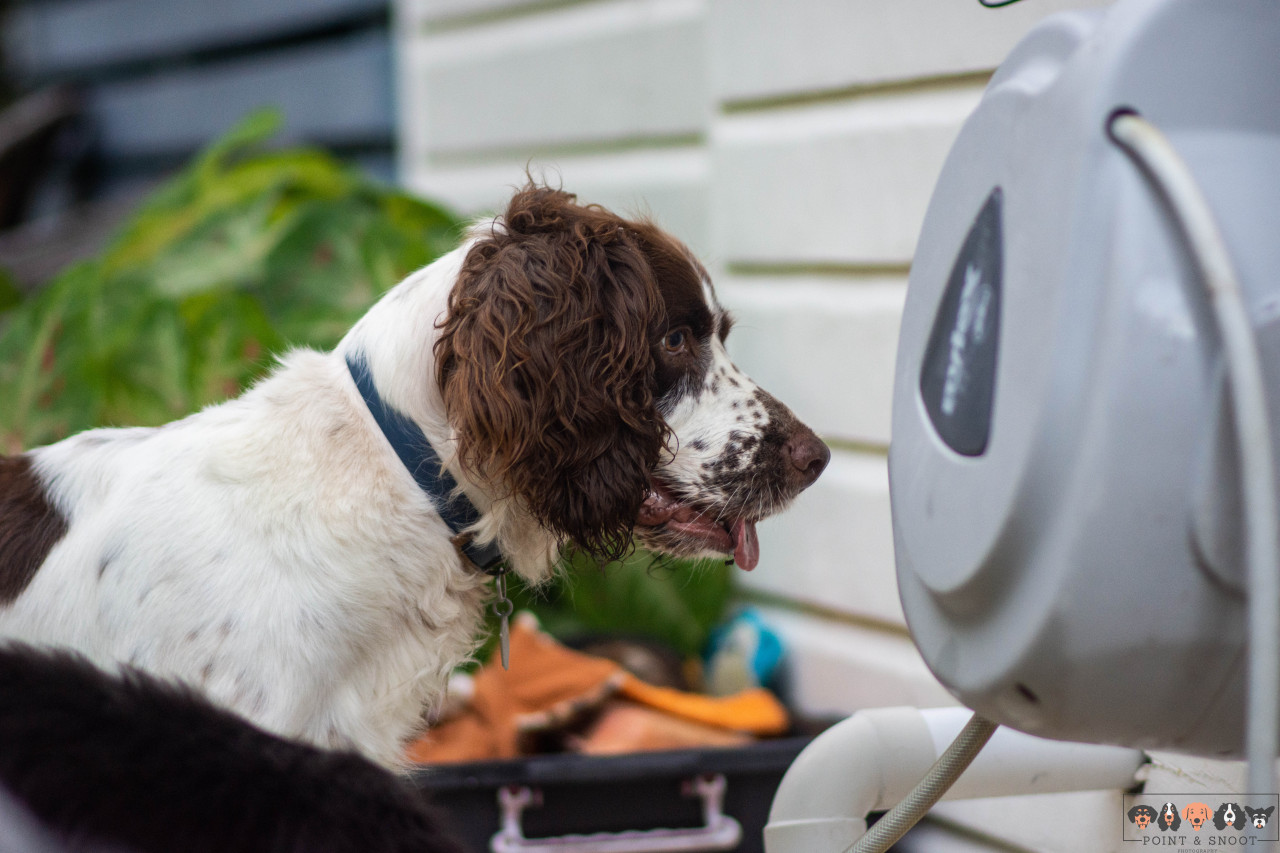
column 794, row 145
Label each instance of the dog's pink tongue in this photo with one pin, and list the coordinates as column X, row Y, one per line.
column 746, row 546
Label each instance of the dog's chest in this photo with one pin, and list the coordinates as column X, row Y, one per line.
column 266, row 553
column 341, row 632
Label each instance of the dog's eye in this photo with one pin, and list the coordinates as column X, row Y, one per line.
column 675, row 341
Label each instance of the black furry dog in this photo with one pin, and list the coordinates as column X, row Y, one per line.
column 133, row 763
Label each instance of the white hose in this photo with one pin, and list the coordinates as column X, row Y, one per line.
column 874, row 760
column 1169, row 173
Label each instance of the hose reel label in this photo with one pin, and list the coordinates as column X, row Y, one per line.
column 957, row 378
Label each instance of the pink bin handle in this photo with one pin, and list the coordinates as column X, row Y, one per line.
column 719, row 832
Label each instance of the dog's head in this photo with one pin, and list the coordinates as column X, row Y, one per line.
column 1196, row 814
column 1229, row 815
column 1168, row 818
column 1259, row 817
column 1142, row 815
column 583, row 368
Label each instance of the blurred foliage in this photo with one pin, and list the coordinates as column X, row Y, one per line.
column 677, row 602
column 247, row 252
column 244, row 254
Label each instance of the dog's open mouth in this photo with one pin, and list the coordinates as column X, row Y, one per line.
column 724, row 535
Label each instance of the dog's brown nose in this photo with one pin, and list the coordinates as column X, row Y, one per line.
column 808, row 455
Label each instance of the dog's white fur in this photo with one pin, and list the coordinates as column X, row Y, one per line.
column 293, row 473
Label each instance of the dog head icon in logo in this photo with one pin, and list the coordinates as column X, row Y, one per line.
column 1143, row 815
column 1168, row 818
column 1259, row 817
column 1229, row 815
column 1196, row 814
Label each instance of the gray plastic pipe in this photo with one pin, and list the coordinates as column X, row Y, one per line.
column 870, row 761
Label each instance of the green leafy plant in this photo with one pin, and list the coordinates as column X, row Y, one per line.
column 245, row 253
column 677, row 602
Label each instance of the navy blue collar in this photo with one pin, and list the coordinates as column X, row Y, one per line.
column 417, row 454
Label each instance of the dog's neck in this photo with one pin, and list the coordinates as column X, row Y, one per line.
column 394, row 339
column 422, row 461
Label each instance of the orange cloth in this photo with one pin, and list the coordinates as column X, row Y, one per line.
column 755, row 711
column 549, row 685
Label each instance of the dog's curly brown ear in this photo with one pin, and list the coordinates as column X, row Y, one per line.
column 545, row 364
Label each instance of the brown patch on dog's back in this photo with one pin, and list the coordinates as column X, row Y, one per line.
column 29, row 525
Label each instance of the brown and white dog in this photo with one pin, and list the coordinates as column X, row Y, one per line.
column 278, row 551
